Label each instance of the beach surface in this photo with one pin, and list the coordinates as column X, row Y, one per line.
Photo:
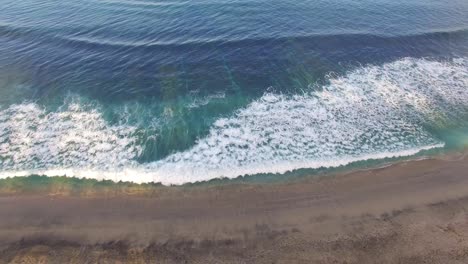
column 408, row 212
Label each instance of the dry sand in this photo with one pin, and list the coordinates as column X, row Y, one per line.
column 410, row 212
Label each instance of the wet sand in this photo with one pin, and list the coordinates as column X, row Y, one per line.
column 410, row 212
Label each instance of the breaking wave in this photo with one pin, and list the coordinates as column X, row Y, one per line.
column 373, row 112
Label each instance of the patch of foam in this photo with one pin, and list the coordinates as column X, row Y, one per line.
column 31, row 138
column 373, row 112
column 202, row 101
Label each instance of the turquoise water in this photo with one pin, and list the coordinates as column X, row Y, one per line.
column 184, row 91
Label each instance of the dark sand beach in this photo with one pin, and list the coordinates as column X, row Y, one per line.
column 409, row 212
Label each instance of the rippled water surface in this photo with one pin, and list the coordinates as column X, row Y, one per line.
column 184, row 91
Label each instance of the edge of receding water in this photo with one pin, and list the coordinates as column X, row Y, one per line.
column 74, row 186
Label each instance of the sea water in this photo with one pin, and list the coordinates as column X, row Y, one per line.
column 185, row 91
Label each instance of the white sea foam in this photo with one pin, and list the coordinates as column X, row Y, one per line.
column 31, row 138
column 373, row 112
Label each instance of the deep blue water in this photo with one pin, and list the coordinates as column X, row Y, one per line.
column 180, row 91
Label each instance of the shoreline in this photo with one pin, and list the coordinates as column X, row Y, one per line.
column 299, row 174
column 347, row 216
column 305, row 168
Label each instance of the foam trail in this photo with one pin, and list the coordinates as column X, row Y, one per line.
column 374, row 112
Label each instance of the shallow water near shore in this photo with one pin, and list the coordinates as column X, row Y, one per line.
column 179, row 92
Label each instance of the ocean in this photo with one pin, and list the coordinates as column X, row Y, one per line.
column 176, row 91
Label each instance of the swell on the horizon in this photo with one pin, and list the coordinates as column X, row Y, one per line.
column 78, row 38
column 157, row 44
column 373, row 112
